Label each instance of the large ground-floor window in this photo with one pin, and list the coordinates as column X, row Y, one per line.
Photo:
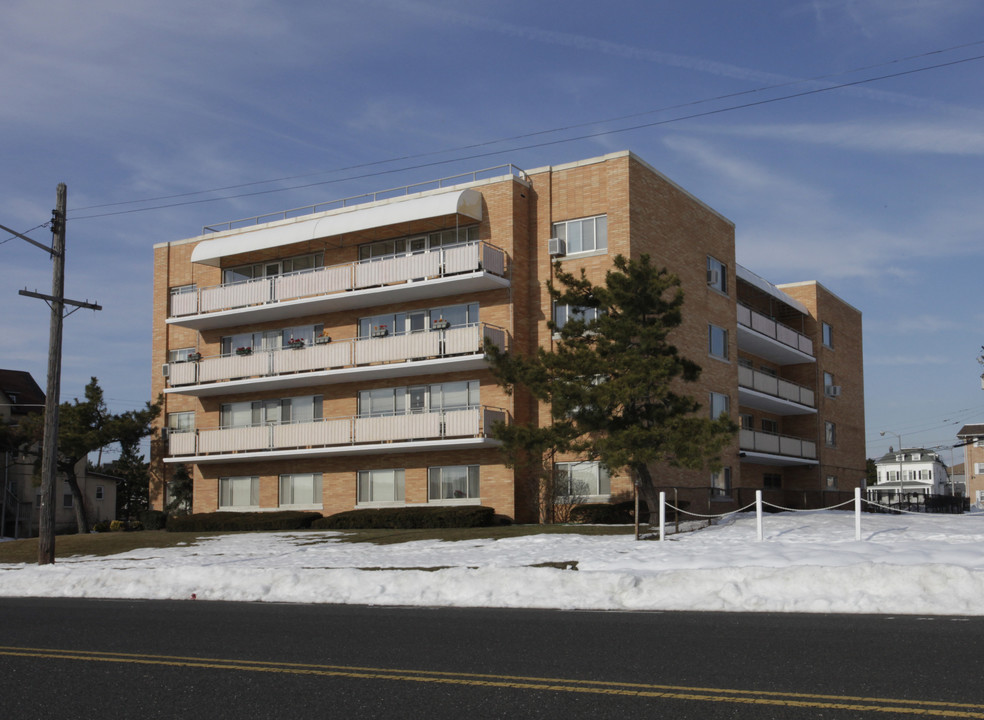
column 381, row 486
column 452, row 482
column 239, row 492
column 577, row 479
column 300, row 489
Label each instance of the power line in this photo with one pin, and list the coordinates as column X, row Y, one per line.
column 587, row 136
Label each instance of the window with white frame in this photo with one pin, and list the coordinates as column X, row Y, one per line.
column 271, row 268
column 720, row 405
column 100, row 492
column 831, row 482
column 747, row 421
column 978, row 468
column 418, row 243
column 181, row 422
column 564, row 314
column 239, row 492
column 381, row 486
column 418, row 320
column 828, row 335
column 717, row 274
column 830, row 433
column 452, row 482
column 828, row 384
column 584, row 235
column 253, row 413
column 770, row 426
column 300, row 489
column 267, row 340
column 458, row 395
column 717, row 342
column 579, row 479
column 179, row 355
column 721, row 483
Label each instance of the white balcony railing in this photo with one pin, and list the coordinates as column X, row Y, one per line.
column 773, row 329
column 473, row 422
column 358, row 352
column 436, row 263
column 772, row 444
column 776, row 387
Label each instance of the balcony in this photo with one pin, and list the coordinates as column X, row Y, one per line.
column 764, row 448
column 456, row 349
column 467, row 268
column 766, row 338
column 772, row 394
column 468, row 428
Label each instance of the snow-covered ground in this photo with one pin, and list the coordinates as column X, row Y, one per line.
column 809, row 562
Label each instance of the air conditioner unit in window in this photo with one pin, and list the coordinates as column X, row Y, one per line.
column 556, row 247
column 832, row 391
column 166, row 370
column 713, row 277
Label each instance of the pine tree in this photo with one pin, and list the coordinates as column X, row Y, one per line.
column 180, row 492
column 614, row 382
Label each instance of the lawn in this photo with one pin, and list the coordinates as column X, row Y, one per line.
column 112, row 543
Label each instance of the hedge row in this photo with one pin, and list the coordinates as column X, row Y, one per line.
column 408, row 518
column 242, row 521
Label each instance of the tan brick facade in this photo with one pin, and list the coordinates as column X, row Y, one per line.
column 645, row 214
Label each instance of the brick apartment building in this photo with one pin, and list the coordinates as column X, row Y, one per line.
column 332, row 358
column 972, row 438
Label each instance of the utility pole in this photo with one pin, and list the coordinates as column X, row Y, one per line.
column 56, row 301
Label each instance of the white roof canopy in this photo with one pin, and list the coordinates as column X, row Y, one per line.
column 338, row 222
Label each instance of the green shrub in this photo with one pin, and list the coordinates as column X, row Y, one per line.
column 101, row 527
column 409, row 518
column 242, row 521
column 153, row 519
column 602, row 514
column 117, row 526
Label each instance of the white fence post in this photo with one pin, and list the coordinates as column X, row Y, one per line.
column 758, row 515
column 662, row 516
column 857, row 514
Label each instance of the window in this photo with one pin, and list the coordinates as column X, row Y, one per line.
column 747, row 421
column 418, row 243
column 828, row 384
column 717, row 341
column 721, row 483
column 239, row 492
column 419, row 398
column 582, row 479
column 830, row 433
column 306, row 408
column 419, row 320
column 564, row 314
column 180, row 354
column 381, row 486
column 772, row 481
column 300, row 489
column 770, row 426
column 585, row 235
column 828, row 335
column 452, row 482
column 978, row 468
column 720, row 405
column 272, row 268
column 270, row 339
column 181, row 421
column 831, row 483
column 717, row 275
column 99, row 492
column 67, row 501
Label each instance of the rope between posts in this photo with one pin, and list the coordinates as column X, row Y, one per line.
column 698, row 515
column 815, row 510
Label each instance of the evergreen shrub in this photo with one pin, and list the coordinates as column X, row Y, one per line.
column 242, row 521
column 153, row 519
column 459, row 516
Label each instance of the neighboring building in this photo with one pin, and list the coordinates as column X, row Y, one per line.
column 910, row 470
column 958, row 480
column 20, row 491
column 972, row 438
column 334, row 360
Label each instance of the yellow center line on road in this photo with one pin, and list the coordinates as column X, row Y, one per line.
column 932, row 708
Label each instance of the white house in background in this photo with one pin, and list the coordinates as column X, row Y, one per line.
column 910, row 470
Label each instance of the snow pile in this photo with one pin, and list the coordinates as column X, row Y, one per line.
column 809, row 562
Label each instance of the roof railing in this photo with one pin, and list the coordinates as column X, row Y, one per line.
column 367, row 198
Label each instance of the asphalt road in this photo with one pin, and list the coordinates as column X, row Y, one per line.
column 189, row 659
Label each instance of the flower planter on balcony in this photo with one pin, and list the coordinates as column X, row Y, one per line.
column 441, row 324
column 194, row 357
column 323, row 340
column 295, row 344
column 244, row 351
column 381, row 331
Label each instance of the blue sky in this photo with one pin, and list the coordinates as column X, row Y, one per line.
column 874, row 189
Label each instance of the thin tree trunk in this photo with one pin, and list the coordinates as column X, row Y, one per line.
column 647, row 489
column 78, row 502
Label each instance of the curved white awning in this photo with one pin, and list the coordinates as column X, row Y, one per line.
column 338, row 222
